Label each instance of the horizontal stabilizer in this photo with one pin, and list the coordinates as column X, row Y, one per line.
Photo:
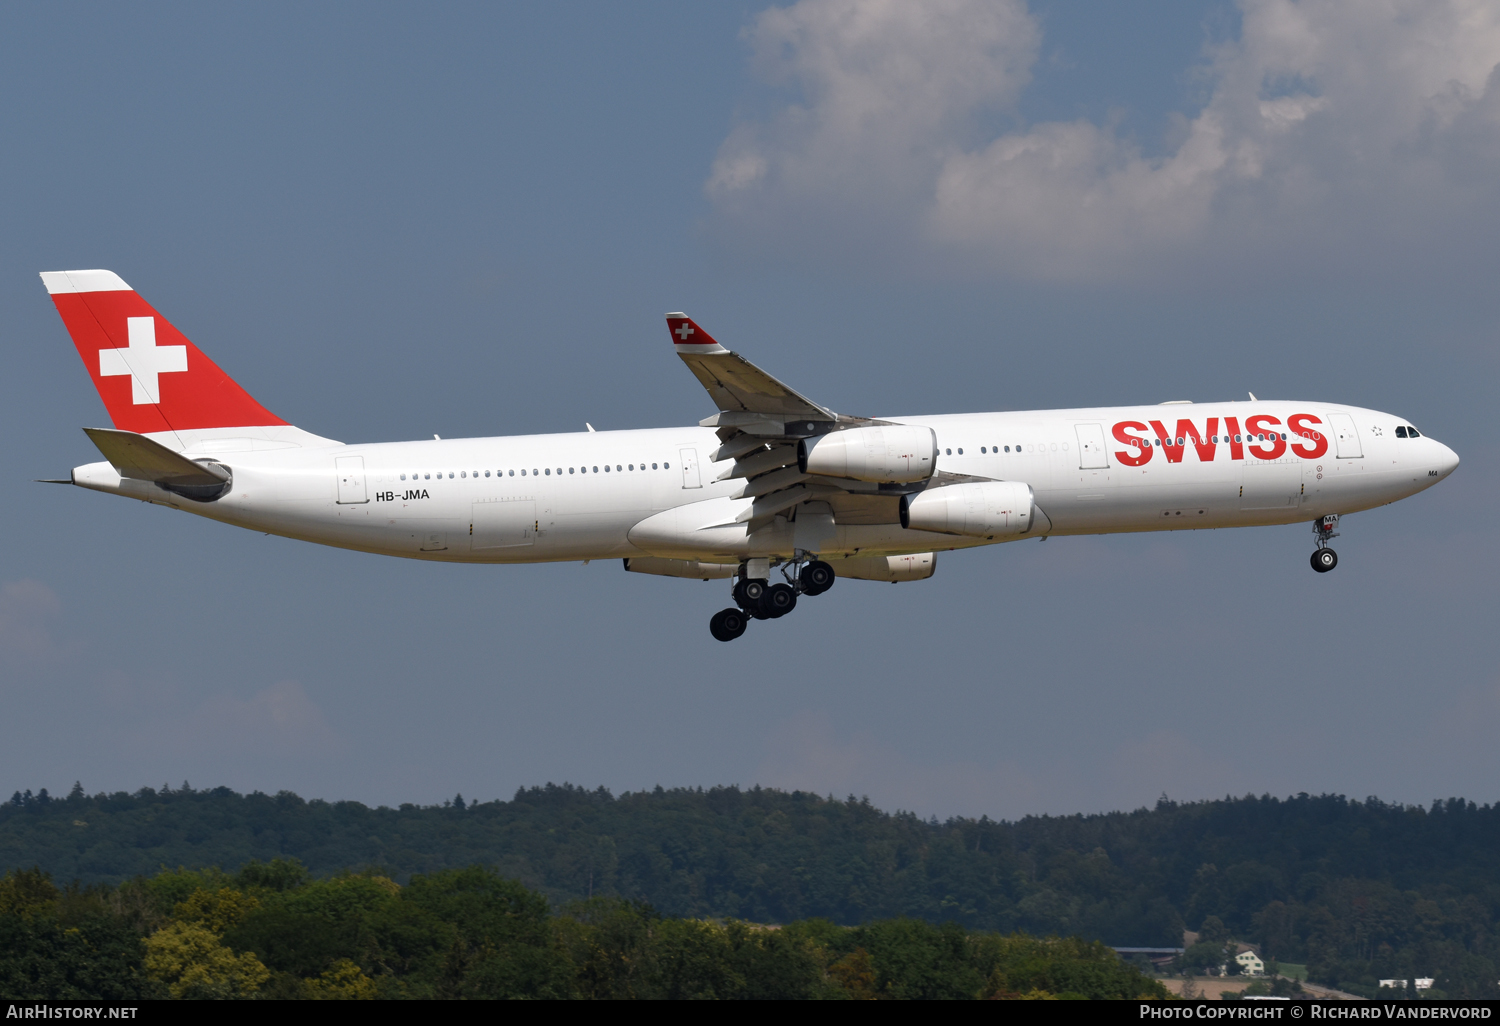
column 137, row 456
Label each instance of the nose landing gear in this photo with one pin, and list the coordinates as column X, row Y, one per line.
column 757, row 598
column 1325, row 559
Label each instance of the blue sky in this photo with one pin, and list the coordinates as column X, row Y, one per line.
column 389, row 222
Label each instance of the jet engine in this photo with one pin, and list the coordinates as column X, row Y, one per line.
column 896, row 453
column 914, row 567
column 984, row 509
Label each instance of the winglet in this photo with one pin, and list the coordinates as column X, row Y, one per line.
column 689, row 338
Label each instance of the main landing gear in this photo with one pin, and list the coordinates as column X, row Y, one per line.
column 1325, row 559
column 756, row 598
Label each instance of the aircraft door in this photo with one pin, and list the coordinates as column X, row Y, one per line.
column 1091, row 451
column 690, row 476
column 1346, row 436
column 351, row 475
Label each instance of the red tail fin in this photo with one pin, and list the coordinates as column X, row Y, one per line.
column 149, row 375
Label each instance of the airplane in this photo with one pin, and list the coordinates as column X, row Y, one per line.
column 771, row 481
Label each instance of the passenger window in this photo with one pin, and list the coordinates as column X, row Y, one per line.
column 1007, row 448
column 948, row 452
column 549, row 471
column 464, row 473
column 427, row 477
column 403, row 477
column 653, row 466
column 960, row 450
column 596, row 470
column 618, row 467
column 666, row 466
column 559, row 470
column 981, row 450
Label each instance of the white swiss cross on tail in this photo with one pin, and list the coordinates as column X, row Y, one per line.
column 143, row 361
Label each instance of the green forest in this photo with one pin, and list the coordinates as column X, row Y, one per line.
column 269, row 931
column 1355, row 890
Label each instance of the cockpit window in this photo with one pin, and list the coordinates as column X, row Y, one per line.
column 1412, row 432
column 1400, row 432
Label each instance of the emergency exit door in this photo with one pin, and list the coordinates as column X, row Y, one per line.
column 351, row 475
column 1346, row 436
column 690, row 477
column 1091, row 454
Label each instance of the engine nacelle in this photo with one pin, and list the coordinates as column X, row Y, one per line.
column 984, row 509
column 915, row 567
column 896, row 454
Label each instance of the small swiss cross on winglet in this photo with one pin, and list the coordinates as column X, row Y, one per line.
column 688, row 337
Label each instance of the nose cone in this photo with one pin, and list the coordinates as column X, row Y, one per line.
column 1446, row 461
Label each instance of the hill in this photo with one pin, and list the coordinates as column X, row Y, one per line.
column 1357, row 890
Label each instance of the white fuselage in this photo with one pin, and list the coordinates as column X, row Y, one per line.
column 595, row 495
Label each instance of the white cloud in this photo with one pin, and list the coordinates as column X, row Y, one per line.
column 1348, row 131
column 886, row 86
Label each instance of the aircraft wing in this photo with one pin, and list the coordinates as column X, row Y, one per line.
column 735, row 384
column 760, row 423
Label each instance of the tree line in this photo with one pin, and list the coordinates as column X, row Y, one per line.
column 1355, row 890
column 270, row 931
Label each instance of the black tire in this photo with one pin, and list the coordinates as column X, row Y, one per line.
column 1324, row 560
column 747, row 593
column 816, row 578
column 779, row 600
column 727, row 624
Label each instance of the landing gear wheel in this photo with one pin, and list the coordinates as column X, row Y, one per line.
column 748, row 593
column 816, row 578
column 728, row 624
column 1324, row 560
column 779, row 600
